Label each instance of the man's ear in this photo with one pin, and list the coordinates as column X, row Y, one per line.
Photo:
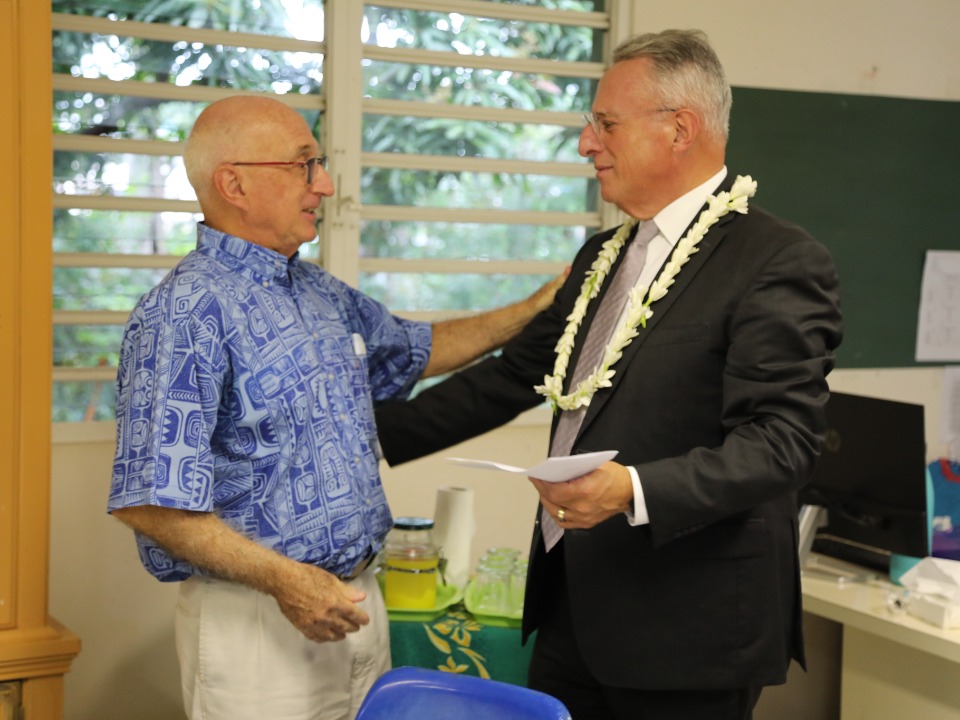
column 229, row 186
column 687, row 127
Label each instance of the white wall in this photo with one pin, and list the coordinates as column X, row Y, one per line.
column 127, row 668
column 854, row 46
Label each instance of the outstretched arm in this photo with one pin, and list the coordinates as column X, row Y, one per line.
column 462, row 340
column 316, row 602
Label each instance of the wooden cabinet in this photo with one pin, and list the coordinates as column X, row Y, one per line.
column 35, row 650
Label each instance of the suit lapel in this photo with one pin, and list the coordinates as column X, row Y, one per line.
column 661, row 308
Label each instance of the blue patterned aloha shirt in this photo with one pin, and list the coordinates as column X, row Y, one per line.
column 246, row 388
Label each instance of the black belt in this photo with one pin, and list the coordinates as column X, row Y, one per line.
column 358, row 569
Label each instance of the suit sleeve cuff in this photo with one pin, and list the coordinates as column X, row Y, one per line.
column 639, row 515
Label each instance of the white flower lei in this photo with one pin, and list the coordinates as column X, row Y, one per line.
column 638, row 309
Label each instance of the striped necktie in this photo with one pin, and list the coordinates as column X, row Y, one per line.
column 598, row 335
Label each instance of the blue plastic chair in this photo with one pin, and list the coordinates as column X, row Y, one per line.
column 411, row 693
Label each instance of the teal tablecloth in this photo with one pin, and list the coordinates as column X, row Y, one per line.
column 457, row 642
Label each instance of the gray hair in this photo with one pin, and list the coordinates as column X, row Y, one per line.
column 688, row 73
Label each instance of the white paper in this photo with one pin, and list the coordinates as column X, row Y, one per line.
column 453, row 530
column 553, row 469
column 938, row 324
column 934, row 576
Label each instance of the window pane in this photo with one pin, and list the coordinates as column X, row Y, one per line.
column 83, row 401
column 124, row 233
column 121, row 175
column 101, row 288
column 135, row 118
column 456, row 35
column 185, row 63
column 481, row 87
column 499, row 191
column 470, row 138
column 121, row 116
column 474, row 35
column 588, row 5
column 125, row 117
column 86, row 345
column 436, row 291
column 297, row 18
column 460, row 35
column 467, row 241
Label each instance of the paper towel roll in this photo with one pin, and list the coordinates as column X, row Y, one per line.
column 453, row 529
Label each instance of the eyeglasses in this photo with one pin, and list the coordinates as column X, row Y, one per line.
column 602, row 125
column 310, row 165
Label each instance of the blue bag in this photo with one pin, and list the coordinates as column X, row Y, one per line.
column 945, row 482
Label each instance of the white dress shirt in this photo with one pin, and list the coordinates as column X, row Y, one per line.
column 671, row 222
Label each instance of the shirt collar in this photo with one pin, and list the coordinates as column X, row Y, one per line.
column 254, row 261
column 677, row 216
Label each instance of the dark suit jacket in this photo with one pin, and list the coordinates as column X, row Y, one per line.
column 718, row 404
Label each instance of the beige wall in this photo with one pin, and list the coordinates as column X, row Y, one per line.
column 128, row 667
column 855, row 46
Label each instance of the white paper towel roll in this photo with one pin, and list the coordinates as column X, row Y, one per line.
column 453, row 529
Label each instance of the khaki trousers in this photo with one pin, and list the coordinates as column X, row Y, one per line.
column 241, row 659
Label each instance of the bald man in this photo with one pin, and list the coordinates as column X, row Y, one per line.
column 247, row 458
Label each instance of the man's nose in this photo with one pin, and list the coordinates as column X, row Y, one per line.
column 322, row 182
column 589, row 142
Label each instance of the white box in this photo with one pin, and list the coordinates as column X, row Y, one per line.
column 935, row 610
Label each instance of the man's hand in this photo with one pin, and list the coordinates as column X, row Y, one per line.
column 589, row 499
column 319, row 605
column 541, row 299
column 460, row 341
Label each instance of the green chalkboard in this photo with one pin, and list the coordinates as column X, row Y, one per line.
column 876, row 180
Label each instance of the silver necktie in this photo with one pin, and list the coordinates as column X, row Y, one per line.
column 598, row 335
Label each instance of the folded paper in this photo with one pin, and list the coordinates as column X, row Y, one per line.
column 553, row 469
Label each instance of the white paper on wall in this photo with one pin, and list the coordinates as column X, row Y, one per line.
column 938, row 323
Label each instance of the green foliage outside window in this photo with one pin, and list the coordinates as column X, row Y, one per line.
column 78, row 231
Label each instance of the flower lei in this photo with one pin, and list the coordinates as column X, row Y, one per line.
column 638, row 308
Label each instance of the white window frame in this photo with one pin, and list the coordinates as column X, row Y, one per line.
column 342, row 102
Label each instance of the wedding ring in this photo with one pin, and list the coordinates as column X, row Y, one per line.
column 560, row 514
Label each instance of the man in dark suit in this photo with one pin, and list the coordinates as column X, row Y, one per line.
column 674, row 591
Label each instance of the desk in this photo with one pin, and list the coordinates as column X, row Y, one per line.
column 456, row 642
column 893, row 666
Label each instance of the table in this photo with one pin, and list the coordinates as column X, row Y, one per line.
column 457, row 642
column 894, row 666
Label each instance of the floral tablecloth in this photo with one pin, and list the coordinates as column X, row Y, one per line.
column 457, row 642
